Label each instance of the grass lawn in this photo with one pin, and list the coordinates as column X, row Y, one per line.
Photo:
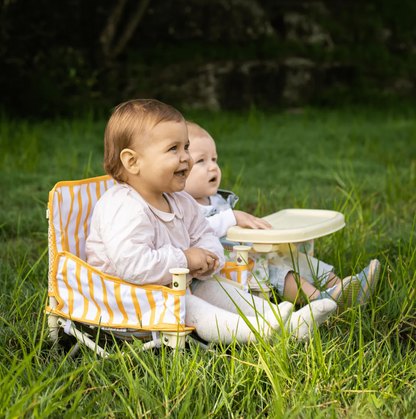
column 362, row 363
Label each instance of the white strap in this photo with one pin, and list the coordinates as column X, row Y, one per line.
column 67, row 327
column 156, row 338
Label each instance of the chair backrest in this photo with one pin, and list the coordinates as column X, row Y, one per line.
column 70, row 207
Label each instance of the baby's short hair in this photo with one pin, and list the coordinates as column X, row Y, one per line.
column 129, row 121
column 196, row 131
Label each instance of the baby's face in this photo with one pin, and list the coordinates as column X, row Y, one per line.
column 165, row 161
column 205, row 177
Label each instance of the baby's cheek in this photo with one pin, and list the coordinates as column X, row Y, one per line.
column 191, row 162
column 219, row 174
column 194, row 177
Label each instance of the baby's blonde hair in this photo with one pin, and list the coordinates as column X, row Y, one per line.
column 196, row 131
column 132, row 120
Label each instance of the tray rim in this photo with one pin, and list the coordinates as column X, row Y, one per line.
column 336, row 223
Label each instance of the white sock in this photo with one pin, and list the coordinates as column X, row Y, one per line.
column 283, row 312
column 214, row 323
column 301, row 321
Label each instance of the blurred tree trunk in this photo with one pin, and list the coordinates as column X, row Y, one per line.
column 112, row 48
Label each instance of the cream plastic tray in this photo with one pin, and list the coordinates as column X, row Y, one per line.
column 291, row 226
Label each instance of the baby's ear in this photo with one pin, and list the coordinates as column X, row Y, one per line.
column 130, row 160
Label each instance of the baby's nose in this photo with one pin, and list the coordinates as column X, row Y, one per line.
column 185, row 156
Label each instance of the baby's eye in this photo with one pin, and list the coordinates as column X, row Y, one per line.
column 214, row 159
column 173, row 148
column 187, row 147
column 200, row 161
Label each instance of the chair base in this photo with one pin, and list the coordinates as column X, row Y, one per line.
column 174, row 340
column 82, row 338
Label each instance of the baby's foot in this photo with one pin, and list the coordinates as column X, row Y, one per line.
column 284, row 310
column 366, row 280
column 344, row 293
column 301, row 322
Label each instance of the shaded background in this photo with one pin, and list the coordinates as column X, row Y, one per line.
column 60, row 57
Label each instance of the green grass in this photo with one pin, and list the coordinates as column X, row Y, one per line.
column 360, row 364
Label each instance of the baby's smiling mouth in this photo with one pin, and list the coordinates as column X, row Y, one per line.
column 181, row 173
column 214, row 179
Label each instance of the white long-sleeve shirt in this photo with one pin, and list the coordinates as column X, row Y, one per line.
column 219, row 214
column 132, row 240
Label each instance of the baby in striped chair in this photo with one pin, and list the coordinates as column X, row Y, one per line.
column 146, row 224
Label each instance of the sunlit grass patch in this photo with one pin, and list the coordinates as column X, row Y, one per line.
column 361, row 363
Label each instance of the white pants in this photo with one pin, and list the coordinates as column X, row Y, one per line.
column 215, row 316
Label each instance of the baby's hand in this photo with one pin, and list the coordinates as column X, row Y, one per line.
column 247, row 220
column 201, row 261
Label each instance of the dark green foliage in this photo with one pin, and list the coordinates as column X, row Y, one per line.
column 52, row 60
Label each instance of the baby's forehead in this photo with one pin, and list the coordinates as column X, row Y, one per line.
column 168, row 128
column 202, row 144
column 203, row 138
column 154, row 135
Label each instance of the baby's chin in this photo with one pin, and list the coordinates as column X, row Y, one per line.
column 213, row 190
column 182, row 187
column 203, row 200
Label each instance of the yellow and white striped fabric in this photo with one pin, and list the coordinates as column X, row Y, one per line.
column 70, row 209
column 73, row 204
column 234, row 272
column 87, row 295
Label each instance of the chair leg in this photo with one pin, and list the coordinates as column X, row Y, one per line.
column 84, row 339
column 74, row 350
column 53, row 320
column 263, row 293
column 174, row 339
column 53, row 326
column 197, row 342
column 149, row 345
